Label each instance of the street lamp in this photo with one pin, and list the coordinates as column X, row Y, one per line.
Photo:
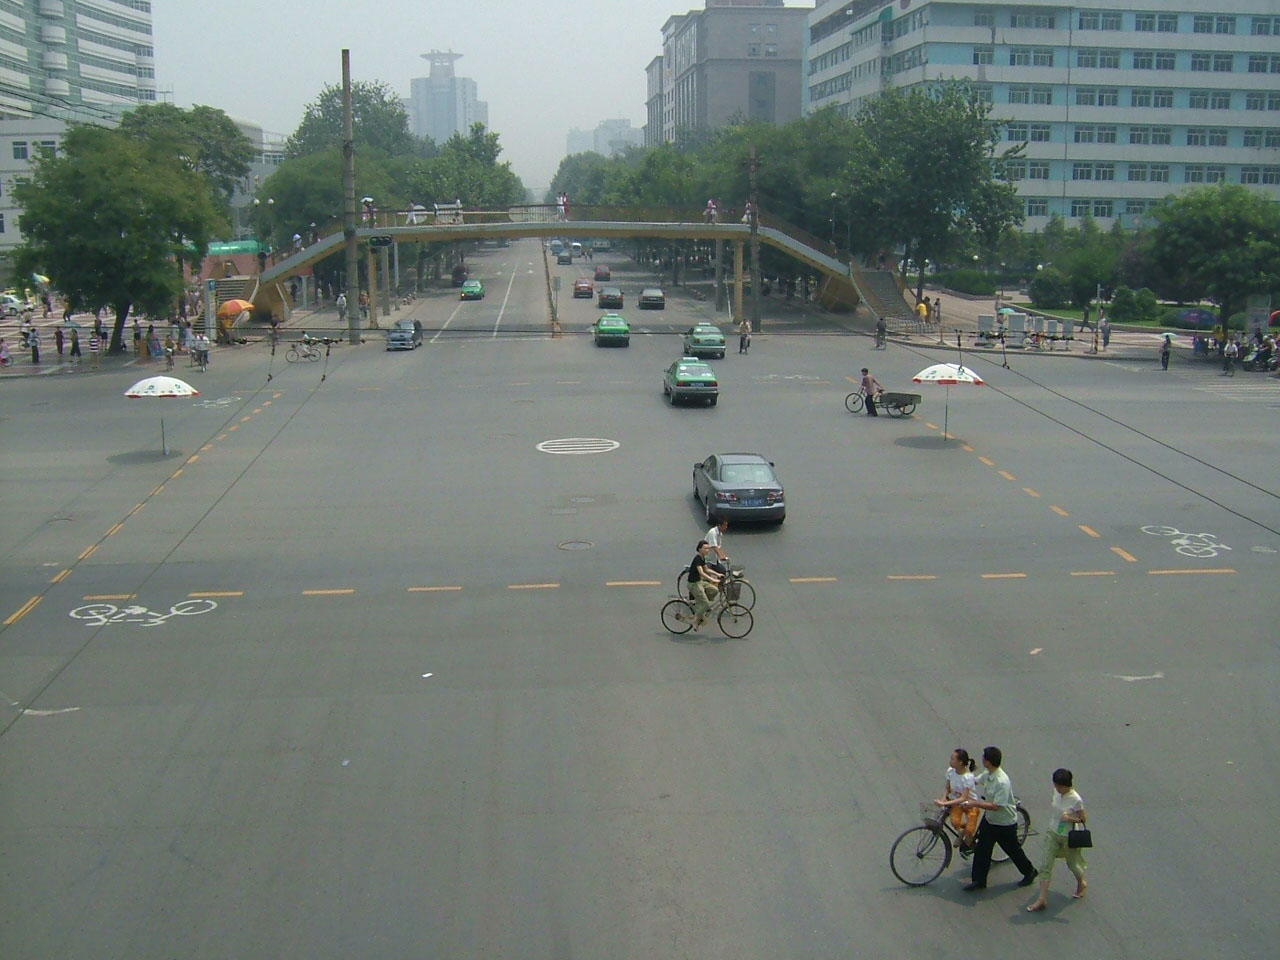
column 834, row 197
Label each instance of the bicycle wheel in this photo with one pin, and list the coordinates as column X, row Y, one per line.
column 1024, row 828
column 919, row 855
column 677, row 616
column 853, row 402
column 1157, row 531
column 895, row 409
column 906, row 410
column 314, row 355
column 746, row 595
column 291, row 355
column 735, row 621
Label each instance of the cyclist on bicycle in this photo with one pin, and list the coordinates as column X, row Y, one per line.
column 704, row 584
column 715, row 540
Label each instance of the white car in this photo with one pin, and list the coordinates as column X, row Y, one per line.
column 12, row 306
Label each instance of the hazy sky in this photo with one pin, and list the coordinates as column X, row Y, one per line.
column 543, row 66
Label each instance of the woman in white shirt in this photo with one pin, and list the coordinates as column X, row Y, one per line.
column 1068, row 808
column 959, row 787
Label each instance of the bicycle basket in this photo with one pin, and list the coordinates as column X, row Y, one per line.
column 931, row 813
column 732, row 590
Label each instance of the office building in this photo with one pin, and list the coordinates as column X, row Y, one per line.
column 734, row 59
column 1119, row 104
column 609, row 138
column 442, row 104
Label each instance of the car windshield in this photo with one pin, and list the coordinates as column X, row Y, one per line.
column 746, row 473
column 403, row 326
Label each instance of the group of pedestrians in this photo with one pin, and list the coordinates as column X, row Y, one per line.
column 983, row 811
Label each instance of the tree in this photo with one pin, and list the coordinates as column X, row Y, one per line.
column 378, row 121
column 1223, row 241
column 467, row 169
column 106, row 218
column 205, row 137
column 925, row 173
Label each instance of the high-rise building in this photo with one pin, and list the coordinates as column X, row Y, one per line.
column 1118, row 103
column 609, row 138
column 442, row 104
column 734, row 59
column 86, row 62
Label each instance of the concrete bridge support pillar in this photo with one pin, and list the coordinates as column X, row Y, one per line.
column 722, row 298
column 737, row 282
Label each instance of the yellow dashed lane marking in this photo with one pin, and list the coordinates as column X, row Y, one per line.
column 1030, row 493
column 207, row 446
column 197, row 594
column 567, row 383
column 176, row 473
column 244, row 418
column 114, row 528
column 86, row 552
column 1093, row 573
column 1090, row 531
column 135, row 509
column 985, row 461
column 911, row 576
column 108, row 596
column 1007, row 475
column 812, row 579
column 931, row 426
column 633, row 583
column 337, row 591
column 266, row 403
column 60, row 577
column 1004, row 576
column 532, row 586
column 233, row 428
column 434, row 589
column 257, row 409
column 1174, row 573
column 1124, row 554
column 966, row 448
column 1058, row 510
column 22, row 611
column 221, row 436
column 156, row 490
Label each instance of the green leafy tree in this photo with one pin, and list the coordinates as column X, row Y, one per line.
column 204, row 137
column 467, row 169
column 1222, row 242
column 107, row 217
column 1050, row 289
column 378, row 120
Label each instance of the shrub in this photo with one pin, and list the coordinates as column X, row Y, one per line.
column 976, row 283
column 1050, row 289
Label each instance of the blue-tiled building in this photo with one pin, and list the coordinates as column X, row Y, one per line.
column 1119, row 104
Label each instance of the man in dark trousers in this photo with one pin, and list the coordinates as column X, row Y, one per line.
column 999, row 823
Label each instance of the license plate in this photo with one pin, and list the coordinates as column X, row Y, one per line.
column 753, row 503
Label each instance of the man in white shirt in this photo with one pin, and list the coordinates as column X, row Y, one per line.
column 715, row 540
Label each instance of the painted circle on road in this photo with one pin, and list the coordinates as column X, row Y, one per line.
column 578, row 446
column 575, row 545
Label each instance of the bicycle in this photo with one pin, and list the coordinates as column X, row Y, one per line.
column 303, row 350
column 738, row 588
column 734, row 619
column 921, row 853
column 855, row 401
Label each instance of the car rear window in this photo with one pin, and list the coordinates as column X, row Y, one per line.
column 746, row 473
column 693, row 370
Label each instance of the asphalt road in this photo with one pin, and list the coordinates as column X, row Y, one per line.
column 383, row 680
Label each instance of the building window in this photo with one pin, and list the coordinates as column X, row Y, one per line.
column 1015, row 170
column 1042, row 96
column 1138, row 172
column 1162, row 98
column 1273, row 101
column 1199, row 100
column 1253, row 138
column 1136, row 206
column 984, row 18
column 1224, row 23
column 1161, row 136
column 1032, row 19
column 1270, row 176
column 985, row 92
column 1089, row 21
column 1104, row 171
column 1108, row 96
column 1086, row 58
column 753, row 49
column 1016, row 132
column 1250, row 174
column 1085, row 133
column 1265, row 26
column 1144, row 60
column 1167, row 23
column 1167, row 61
column 1020, row 57
column 1103, row 208
column 1040, row 133
column 1193, row 173
column 20, row 149
column 1106, row 134
column 2, row 231
column 1159, row 173
column 1042, row 57
column 1020, row 95
column 1037, row 207
column 1215, row 174
column 1081, row 208
column 770, row 49
column 1258, row 63
column 1220, row 100
column 984, row 56
column 1109, row 59
column 1140, row 135
column 1197, row 137
column 1223, row 62
column 1145, row 23
column 1273, row 140
column 1086, row 96
column 1140, row 98
column 1201, row 62
column 1038, row 170
column 1202, row 24
column 1217, row 136
column 1082, row 171
column 1252, row 101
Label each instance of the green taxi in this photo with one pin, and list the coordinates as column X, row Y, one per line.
column 690, row 379
column 611, row 329
column 472, row 290
column 704, row 340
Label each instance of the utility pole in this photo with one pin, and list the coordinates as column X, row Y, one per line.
column 349, row 205
column 755, row 244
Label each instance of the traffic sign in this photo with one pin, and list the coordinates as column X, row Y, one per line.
column 381, row 241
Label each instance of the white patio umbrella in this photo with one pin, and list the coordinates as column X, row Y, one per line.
column 161, row 387
column 948, row 375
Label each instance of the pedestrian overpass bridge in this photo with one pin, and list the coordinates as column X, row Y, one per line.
column 844, row 283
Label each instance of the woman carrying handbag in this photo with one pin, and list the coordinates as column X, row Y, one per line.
column 1068, row 839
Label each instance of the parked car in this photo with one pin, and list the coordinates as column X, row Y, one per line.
column 460, row 274
column 563, row 257
column 582, row 287
column 704, row 340
column 690, row 379
column 603, row 272
column 740, row 486
column 609, row 297
column 651, row 298
column 611, row 328
column 404, row 335
column 472, row 290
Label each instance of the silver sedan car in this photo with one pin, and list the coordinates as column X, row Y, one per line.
column 739, row 486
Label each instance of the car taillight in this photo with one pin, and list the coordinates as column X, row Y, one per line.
column 682, row 383
column 774, row 495
column 726, row 497
column 714, row 383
